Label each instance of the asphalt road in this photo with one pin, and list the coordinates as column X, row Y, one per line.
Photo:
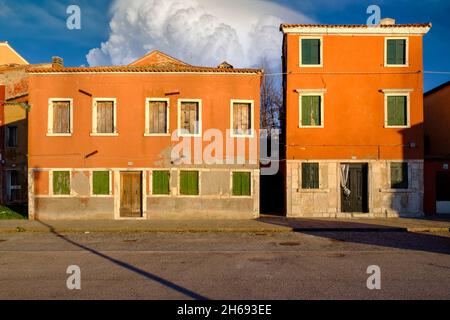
column 225, row 266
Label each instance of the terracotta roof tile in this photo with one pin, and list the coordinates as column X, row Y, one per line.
column 166, row 68
column 410, row 25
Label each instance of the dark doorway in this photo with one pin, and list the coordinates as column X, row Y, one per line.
column 131, row 195
column 357, row 200
column 443, row 192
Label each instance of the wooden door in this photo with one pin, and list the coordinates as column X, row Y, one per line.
column 357, row 201
column 130, row 195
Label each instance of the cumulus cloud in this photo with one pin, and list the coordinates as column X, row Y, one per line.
column 200, row 32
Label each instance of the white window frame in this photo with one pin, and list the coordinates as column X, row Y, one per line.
column 406, row 52
column 91, row 173
column 311, row 92
column 251, row 184
column 147, row 117
column 200, row 121
column 396, row 93
column 50, row 117
column 50, row 180
column 252, row 120
column 94, row 132
column 300, row 52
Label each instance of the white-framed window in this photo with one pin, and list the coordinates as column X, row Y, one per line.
column 104, row 117
column 189, row 183
column 397, row 108
column 311, row 51
column 396, row 52
column 60, row 183
column 101, row 183
column 60, row 117
column 157, row 121
column 242, row 118
column 311, row 108
column 190, row 117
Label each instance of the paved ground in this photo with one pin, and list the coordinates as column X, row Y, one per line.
column 264, row 224
column 225, row 265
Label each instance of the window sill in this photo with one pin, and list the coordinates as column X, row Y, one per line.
column 311, row 65
column 396, row 65
column 397, row 127
column 242, row 135
column 397, row 190
column 197, row 135
column 59, row 134
column 311, row 127
column 157, row 134
column 104, row 134
column 300, row 190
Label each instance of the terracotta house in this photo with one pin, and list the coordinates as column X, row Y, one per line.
column 437, row 150
column 158, row 138
column 354, row 119
column 13, row 127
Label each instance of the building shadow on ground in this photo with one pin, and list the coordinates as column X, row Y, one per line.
column 366, row 233
column 149, row 276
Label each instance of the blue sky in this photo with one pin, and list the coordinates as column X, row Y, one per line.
column 37, row 29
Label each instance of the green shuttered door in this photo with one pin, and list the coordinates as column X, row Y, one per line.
column 241, row 184
column 161, row 182
column 189, row 183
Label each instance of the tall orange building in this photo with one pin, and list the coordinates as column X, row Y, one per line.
column 158, row 138
column 354, row 119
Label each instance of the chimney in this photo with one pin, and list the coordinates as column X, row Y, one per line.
column 387, row 22
column 57, row 62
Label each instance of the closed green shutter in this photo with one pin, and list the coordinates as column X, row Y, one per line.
column 241, row 184
column 160, row 184
column 61, row 182
column 311, row 111
column 306, row 51
column 311, row 51
column 189, row 183
column 100, row 183
column 391, row 52
column 400, row 52
column 310, row 176
column 396, row 51
column 399, row 175
column 397, row 111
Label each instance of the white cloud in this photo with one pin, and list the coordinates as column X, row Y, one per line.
column 201, row 32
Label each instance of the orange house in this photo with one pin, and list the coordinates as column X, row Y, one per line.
column 354, row 119
column 437, row 151
column 158, row 138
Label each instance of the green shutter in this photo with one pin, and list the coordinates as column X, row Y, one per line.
column 396, row 51
column 397, row 111
column 306, row 51
column 399, row 175
column 160, row 184
column 311, row 111
column 306, row 110
column 189, row 183
column 61, row 182
column 241, row 184
column 310, row 176
column 100, row 182
column 310, row 51
column 400, row 51
column 391, row 51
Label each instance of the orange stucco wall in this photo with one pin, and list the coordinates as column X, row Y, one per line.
column 353, row 75
column 437, row 120
column 130, row 148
